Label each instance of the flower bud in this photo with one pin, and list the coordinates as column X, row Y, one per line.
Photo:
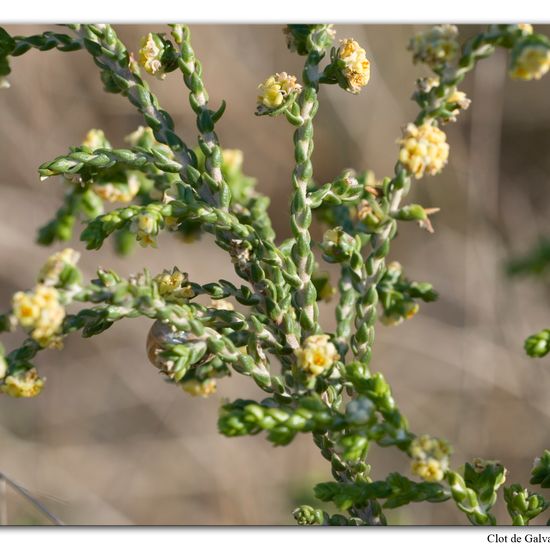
column 354, row 66
column 538, row 345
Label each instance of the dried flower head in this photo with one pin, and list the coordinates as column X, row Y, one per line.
column 356, row 69
column 150, row 55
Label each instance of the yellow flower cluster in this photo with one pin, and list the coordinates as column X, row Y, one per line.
column 317, row 354
column 357, row 66
column 430, row 457
column 55, row 264
column 436, row 46
column 526, row 28
column 276, row 89
column 150, row 55
column 118, row 193
column 200, row 389
column 424, row 149
column 532, row 62
column 232, row 159
column 95, row 139
column 145, row 227
column 39, row 310
column 173, row 284
column 24, row 384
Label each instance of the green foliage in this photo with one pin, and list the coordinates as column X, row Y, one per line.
column 318, row 383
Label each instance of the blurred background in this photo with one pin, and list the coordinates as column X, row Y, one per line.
column 108, row 442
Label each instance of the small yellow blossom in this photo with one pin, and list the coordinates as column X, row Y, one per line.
column 150, row 55
column 526, row 28
column 424, row 149
column 200, row 389
column 222, row 305
column 436, row 46
column 429, row 470
column 52, row 269
column 173, row 284
column 430, row 457
column 428, row 83
column 24, row 384
column 232, row 159
column 4, row 84
column 40, row 311
column 25, row 309
column 145, row 226
column 118, row 193
column 532, row 62
column 317, row 354
column 276, row 89
column 95, row 139
column 357, row 67
column 460, row 98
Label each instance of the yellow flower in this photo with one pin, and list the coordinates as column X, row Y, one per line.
column 436, row 46
column 145, row 226
column 276, row 89
column 172, row 284
column 357, row 67
column 426, row 84
column 95, row 139
column 424, row 149
column 200, row 389
column 232, row 159
column 150, row 55
column 317, row 354
column 430, row 457
column 532, row 62
column 459, row 97
column 40, row 311
column 24, row 384
column 429, row 470
column 118, row 193
column 25, row 309
column 525, row 28
column 52, row 269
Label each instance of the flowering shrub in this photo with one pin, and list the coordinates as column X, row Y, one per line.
column 317, row 382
